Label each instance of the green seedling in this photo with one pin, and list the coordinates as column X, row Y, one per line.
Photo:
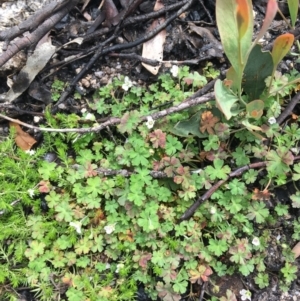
column 249, row 65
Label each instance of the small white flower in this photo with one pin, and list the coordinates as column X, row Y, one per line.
column 30, row 152
column 213, row 210
column 107, row 266
column 174, row 70
column 278, row 237
column 77, row 226
column 255, row 241
column 119, row 266
column 150, row 122
column 127, row 83
column 30, row 192
column 245, row 295
column 272, row 120
column 90, row 116
column 109, row 229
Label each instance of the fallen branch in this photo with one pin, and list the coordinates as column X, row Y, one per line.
column 36, row 35
column 190, row 211
column 114, row 121
column 289, row 109
column 100, row 50
column 33, row 21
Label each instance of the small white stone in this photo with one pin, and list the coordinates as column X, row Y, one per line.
column 36, row 119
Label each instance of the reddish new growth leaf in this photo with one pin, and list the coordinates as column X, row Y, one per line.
column 144, row 260
column 127, row 236
column 171, row 163
column 208, row 121
column 242, row 16
column 90, row 170
column 98, row 217
column 158, row 138
column 281, row 47
column 44, row 186
column 129, row 122
column 202, row 273
column 67, row 280
column 186, row 155
column 183, row 170
column 261, row 195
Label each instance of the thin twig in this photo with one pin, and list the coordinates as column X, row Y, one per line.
column 100, row 50
column 190, row 211
column 289, row 109
column 114, row 121
column 36, row 35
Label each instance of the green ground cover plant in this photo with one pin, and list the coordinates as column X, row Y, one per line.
column 115, row 204
column 117, row 200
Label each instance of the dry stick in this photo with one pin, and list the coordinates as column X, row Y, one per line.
column 33, row 21
column 152, row 15
column 36, row 35
column 123, row 172
column 190, row 211
column 289, row 109
column 130, row 20
column 114, row 121
column 207, row 12
column 134, row 56
column 100, row 51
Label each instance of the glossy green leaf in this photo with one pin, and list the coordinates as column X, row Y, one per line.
column 225, row 100
column 258, row 68
column 191, row 126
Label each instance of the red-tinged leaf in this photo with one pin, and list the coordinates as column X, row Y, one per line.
column 242, row 16
column 281, row 47
column 235, row 25
column 158, row 138
column 271, row 11
column 208, row 122
column 144, row 260
column 255, row 108
column 263, row 195
column 44, row 186
column 201, row 273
